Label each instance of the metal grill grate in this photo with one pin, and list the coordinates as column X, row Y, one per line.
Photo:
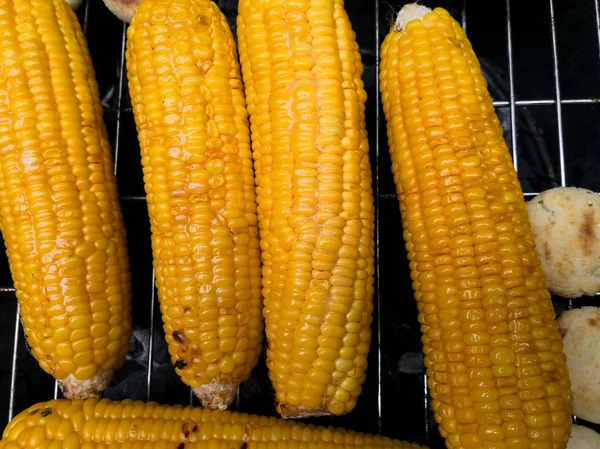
column 393, row 381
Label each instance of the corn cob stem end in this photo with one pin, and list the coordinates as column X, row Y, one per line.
column 298, row 412
column 408, row 13
column 73, row 388
column 215, row 395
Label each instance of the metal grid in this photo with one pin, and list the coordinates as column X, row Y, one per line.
column 375, row 374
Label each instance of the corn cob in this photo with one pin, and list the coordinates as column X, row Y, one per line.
column 302, row 74
column 101, row 424
column 59, row 211
column 194, row 134
column 497, row 373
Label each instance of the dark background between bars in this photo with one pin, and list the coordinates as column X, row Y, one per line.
column 541, row 59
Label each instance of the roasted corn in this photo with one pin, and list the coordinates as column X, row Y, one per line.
column 493, row 354
column 193, row 129
column 59, row 211
column 94, row 424
column 302, row 75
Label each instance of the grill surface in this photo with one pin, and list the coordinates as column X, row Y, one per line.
column 541, row 59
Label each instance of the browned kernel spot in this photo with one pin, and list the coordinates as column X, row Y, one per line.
column 181, row 446
column 224, row 394
column 454, row 41
column 33, row 412
column 187, row 310
column 244, row 445
column 593, row 322
column 587, row 235
column 178, row 336
column 195, row 428
column 47, row 411
column 203, row 21
column 185, row 430
column 179, row 364
column 547, row 250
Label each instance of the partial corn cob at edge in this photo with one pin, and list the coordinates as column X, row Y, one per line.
column 59, row 211
column 102, row 424
column 192, row 122
column 302, row 76
column 494, row 359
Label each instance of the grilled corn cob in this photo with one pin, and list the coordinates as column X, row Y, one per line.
column 101, row 424
column 194, row 134
column 497, row 373
column 302, row 74
column 59, row 212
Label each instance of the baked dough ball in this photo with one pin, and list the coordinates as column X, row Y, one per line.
column 583, row 438
column 74, row 4
column 580, row 329
column 123, row 9
column 566, row 227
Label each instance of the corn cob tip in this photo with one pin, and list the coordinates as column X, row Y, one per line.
column 408, row 13
column 73, row 388
column 216, row 396
column 123, row 9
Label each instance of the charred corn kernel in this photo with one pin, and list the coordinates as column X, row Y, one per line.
column 92, row 424
column 192, row 123
column 302, row 76
column 59, row 210
column 492, row 350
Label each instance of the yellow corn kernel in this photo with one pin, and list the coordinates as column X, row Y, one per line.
column 494, row 359
column 192, row 123
column 302, row 75
column 129, row 424
column 59, row 210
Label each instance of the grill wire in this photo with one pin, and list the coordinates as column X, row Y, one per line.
column 372, row 403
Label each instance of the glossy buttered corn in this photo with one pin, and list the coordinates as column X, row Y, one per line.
column 94, row 424
column 497, row 373
column 59, row 211
column 302, row 75
column 191, row 117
